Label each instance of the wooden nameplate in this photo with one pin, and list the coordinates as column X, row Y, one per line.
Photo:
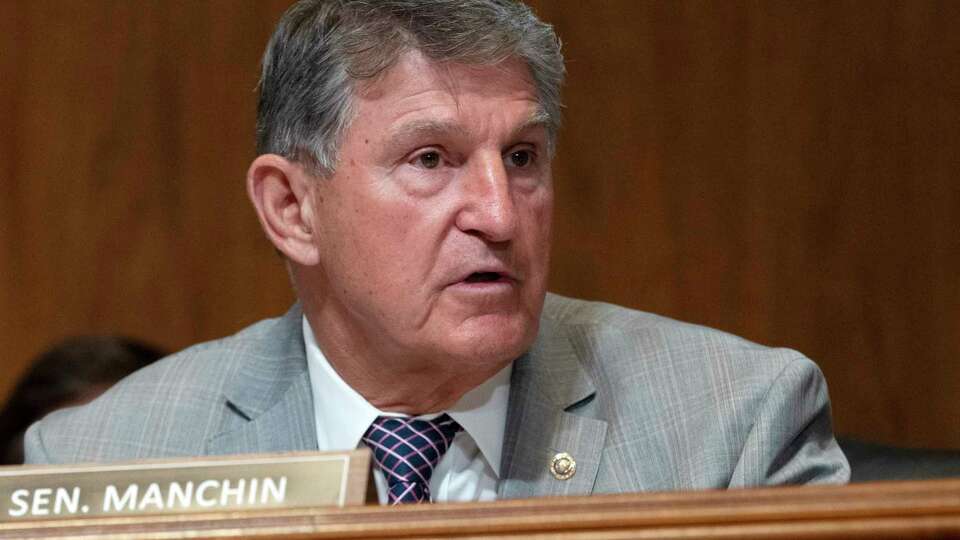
column 208, row 484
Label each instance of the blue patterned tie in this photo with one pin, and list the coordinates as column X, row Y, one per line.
column 407, row 450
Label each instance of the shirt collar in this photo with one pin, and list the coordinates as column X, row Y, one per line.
column 343, row 415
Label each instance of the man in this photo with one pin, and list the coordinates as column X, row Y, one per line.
column 404, row 173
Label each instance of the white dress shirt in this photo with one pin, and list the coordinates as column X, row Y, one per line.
column 469, row 471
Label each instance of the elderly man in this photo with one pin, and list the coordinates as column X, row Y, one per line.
column 404, row 173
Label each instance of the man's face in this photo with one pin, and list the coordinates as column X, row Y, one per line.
column 434, row 232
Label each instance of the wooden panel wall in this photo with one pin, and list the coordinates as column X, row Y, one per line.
column 782, row 170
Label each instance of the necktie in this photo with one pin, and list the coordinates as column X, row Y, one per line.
column 407, row 450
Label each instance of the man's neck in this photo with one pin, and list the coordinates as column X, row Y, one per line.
column 395, row 382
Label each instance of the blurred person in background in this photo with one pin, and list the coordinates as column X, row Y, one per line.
column 72, row 372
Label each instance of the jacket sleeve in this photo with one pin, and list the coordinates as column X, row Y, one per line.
column 791, row 440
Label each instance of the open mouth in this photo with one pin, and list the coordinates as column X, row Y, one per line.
column 483, row 277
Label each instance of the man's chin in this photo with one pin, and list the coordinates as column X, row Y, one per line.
column 494, row 338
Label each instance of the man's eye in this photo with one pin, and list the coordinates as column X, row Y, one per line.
column 520, row 158
column 429, row 160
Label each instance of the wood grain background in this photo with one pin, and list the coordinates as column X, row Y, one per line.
column 782, row 170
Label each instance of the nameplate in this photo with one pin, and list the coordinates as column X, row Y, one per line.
column 196, row 485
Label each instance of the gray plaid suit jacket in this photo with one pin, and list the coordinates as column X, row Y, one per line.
column 641, row 402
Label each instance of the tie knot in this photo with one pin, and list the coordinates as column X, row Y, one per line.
column 407, row 450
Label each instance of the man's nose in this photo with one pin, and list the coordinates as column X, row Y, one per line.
column 488, row 208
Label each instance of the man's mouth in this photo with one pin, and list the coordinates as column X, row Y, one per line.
column 484, row 277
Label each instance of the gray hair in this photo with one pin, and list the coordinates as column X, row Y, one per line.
column 322, row 49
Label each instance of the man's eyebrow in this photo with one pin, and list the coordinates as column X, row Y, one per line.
column 539, row 119
column 401, row 136
column 423, row 128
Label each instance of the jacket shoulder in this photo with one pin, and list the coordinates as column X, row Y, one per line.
column 168, row 409
column 632, row 335
column 694, row 400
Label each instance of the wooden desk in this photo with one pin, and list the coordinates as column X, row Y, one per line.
column 929, row 509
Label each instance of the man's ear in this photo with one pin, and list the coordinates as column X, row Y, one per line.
column 280, row 190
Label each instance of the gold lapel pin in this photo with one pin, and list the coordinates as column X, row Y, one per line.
column 563, row 466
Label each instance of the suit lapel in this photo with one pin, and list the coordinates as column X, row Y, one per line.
column 547, row 386
column 270, row 401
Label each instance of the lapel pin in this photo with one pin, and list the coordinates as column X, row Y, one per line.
column 563, row 466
